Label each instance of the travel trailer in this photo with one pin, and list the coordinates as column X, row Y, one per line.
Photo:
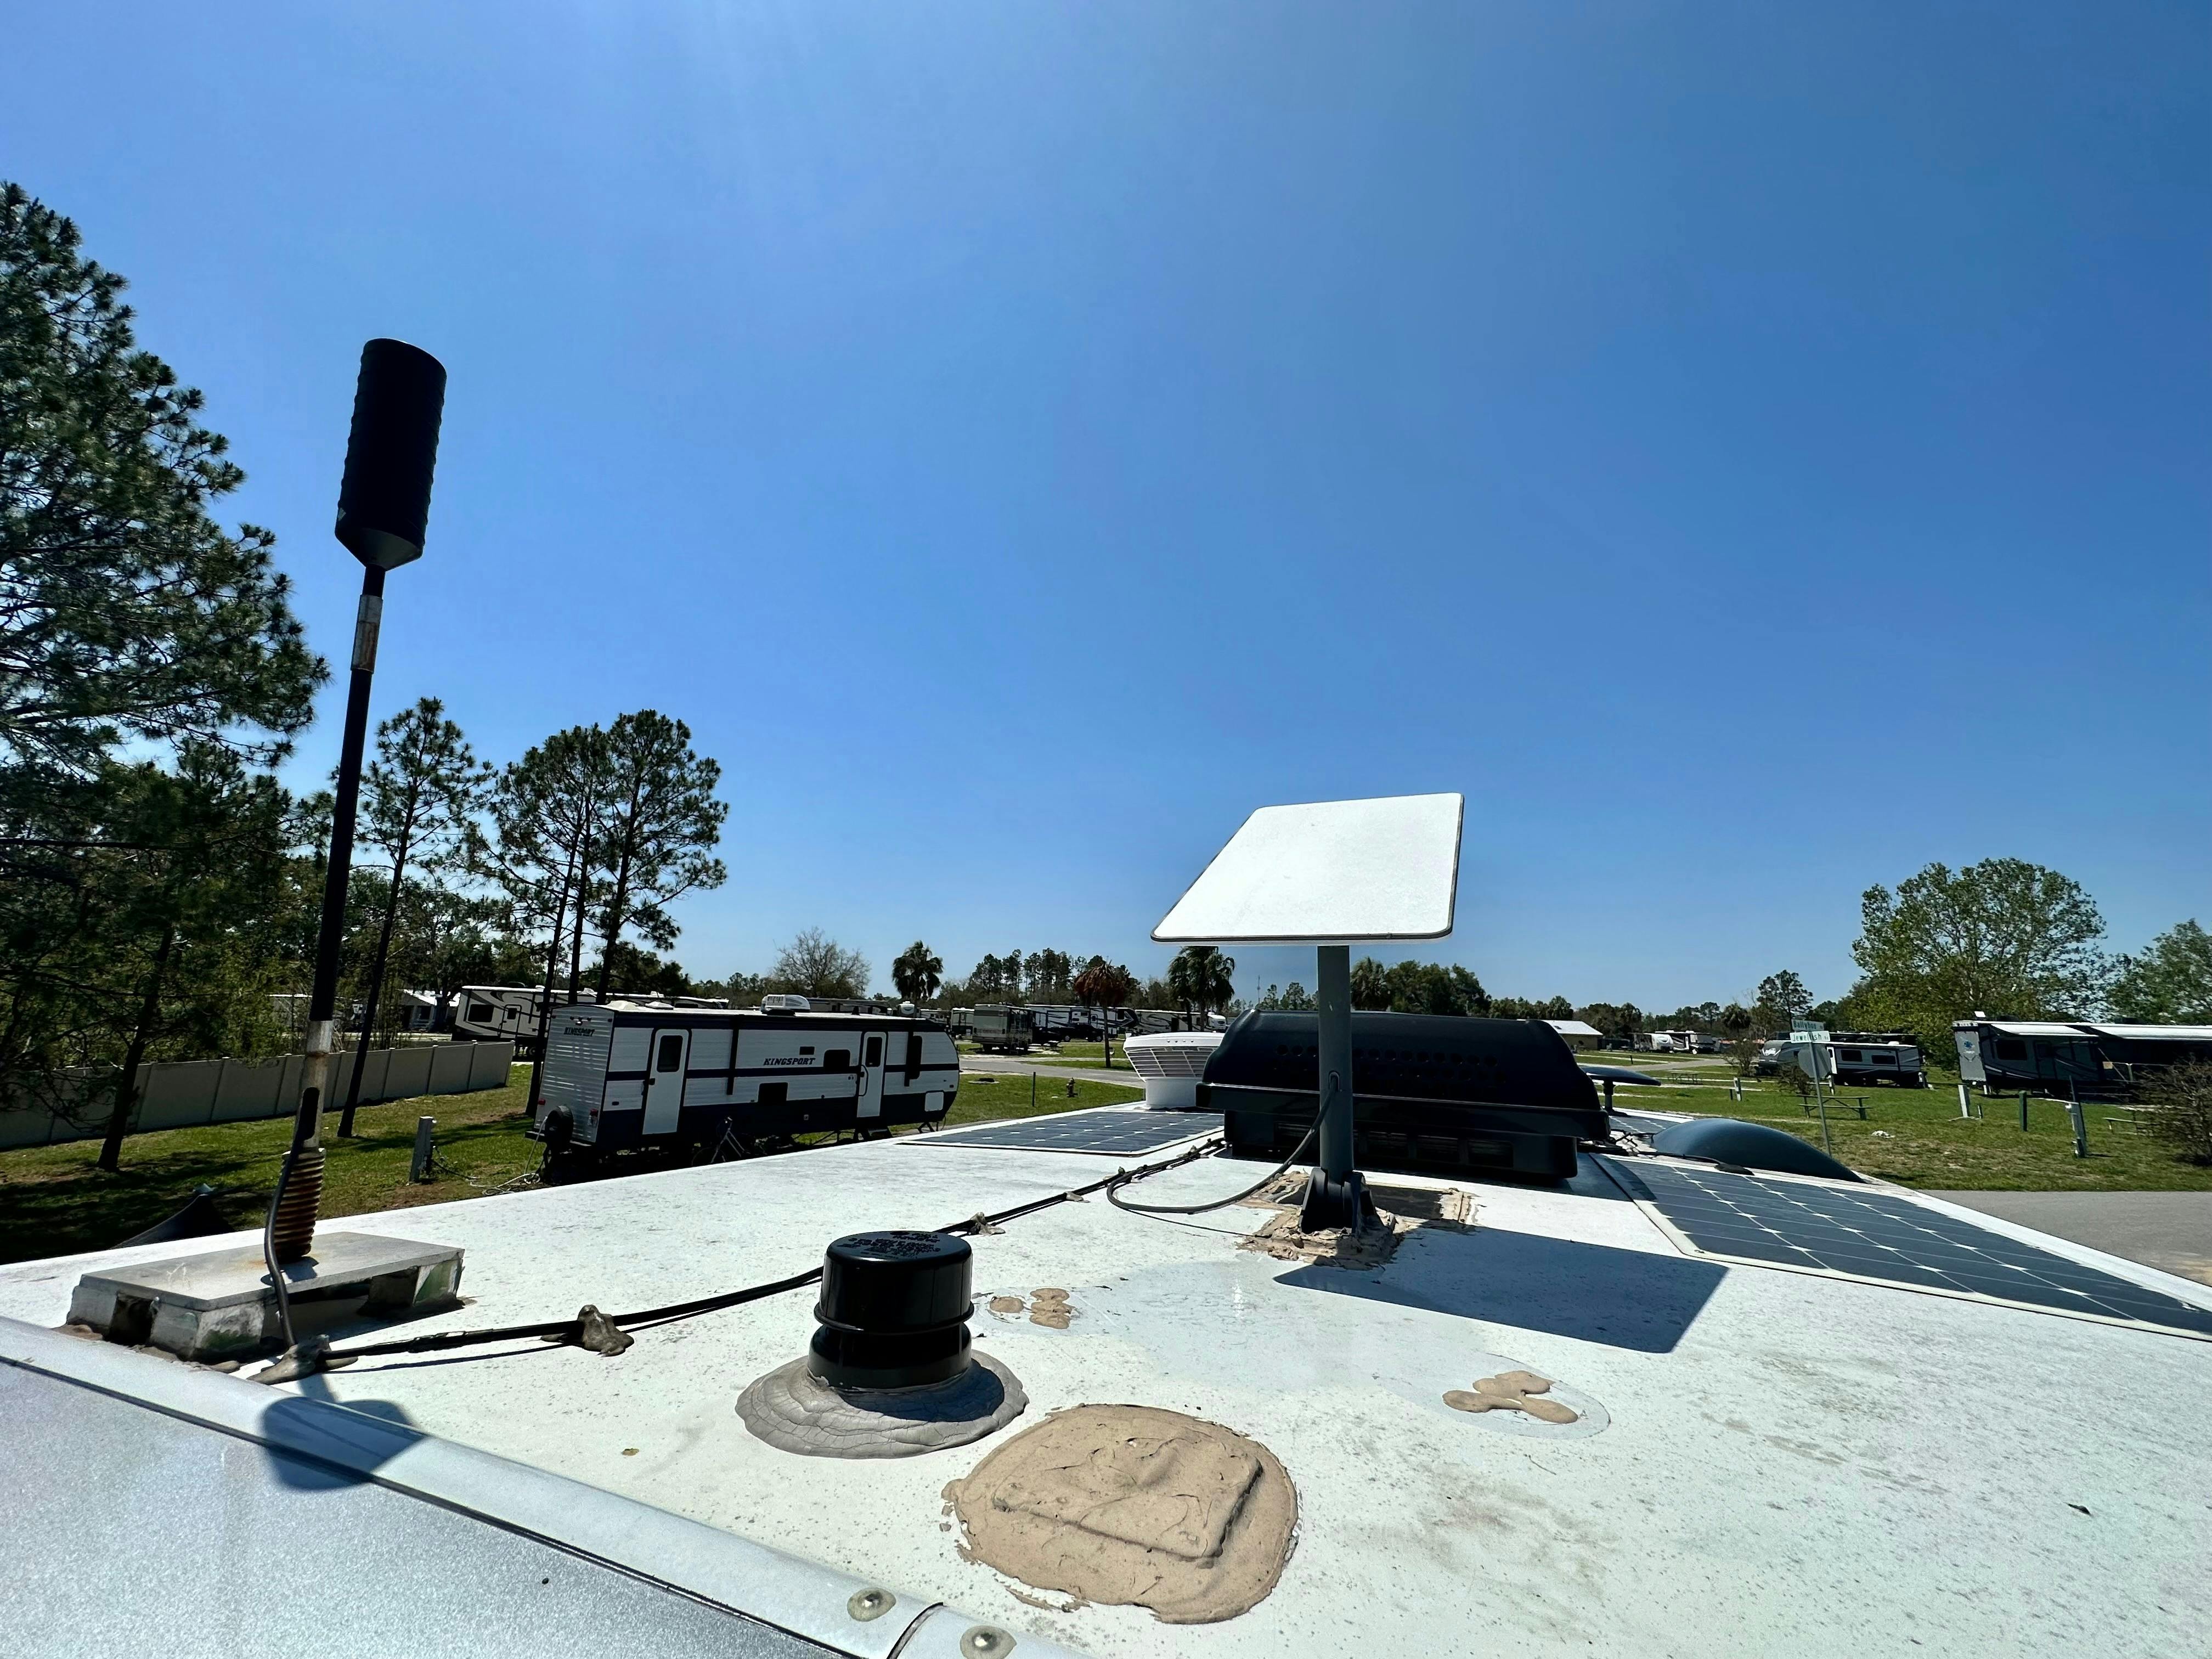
column 500, row 1013
column 509, row 1013
column 2057, row 1057
column 635, row 1074
column 1001, row 1027
column 1851, row 1059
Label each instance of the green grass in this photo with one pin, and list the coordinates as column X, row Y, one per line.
column 1915, row 1136
column 56, row 1200
column 982, row 1101
column 1088, row 1056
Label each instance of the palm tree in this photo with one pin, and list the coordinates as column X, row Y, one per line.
column 1201, row 977
column 1102, row 985
column 1370, row 984
column 917, row 972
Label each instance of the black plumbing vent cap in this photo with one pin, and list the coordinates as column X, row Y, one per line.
column 894, row 1310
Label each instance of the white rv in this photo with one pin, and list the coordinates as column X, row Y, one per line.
column 628, row 1074
column 1002, row 1028
column 1850, row 1059
column 509, row 1013
column 503, row 1013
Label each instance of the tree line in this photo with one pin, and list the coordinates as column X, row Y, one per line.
column 2004, row 937
column 159, row 886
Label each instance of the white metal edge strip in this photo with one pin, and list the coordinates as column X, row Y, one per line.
column 2079, row 1253
column 803, row 1597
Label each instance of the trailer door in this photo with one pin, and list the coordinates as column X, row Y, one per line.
column 872, row 1075
column 664, row 1080
column 628, row 1056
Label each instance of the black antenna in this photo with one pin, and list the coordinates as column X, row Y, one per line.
column 384, row 507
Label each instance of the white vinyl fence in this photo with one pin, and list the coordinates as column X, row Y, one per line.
column 184, row 1093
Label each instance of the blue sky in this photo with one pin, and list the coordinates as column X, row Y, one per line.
column 1750, row 450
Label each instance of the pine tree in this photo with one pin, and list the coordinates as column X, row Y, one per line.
column 126, row 611
column 419, row 801
column 660, row 824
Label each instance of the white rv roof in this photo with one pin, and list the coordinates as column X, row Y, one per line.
column 1326, row 872
column 684, row 1013
column 2156, row 1033
column 2100, row 1027
column 1788, row 1462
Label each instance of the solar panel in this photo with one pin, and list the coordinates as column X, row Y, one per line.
column 1888, row 1239
column 1105, row 1129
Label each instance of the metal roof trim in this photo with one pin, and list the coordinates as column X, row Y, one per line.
column 787, row 1592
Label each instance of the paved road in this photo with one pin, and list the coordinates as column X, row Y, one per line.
column 2172, row 1231
column 1015, row 1065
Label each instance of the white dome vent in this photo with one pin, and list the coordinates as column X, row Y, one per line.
column 1171, row 1063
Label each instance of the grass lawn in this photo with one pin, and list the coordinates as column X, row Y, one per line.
column 56, row 1200
column 982, row 1099
column 1089, row 1055
column 1915, row 1136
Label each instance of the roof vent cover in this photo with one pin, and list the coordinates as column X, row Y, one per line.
column 890, row 1372
column 894, row 1310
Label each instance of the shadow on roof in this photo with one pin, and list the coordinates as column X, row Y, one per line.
column 321, row 1444
column 1624, row 1298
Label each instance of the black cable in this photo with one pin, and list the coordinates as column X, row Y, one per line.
column 705, row 1304
column 269, row 1255
column 1335, row 1093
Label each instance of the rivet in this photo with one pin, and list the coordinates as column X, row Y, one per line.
column 868, row 1604
column 986, row 1641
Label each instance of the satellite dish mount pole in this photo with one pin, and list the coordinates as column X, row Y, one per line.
column 1336, row 1196
column 1326, row 873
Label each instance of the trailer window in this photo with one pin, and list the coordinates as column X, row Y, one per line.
column 875, row 1051
column 479, row 1011
column 671, row 1054
column 838, row 1059
column 2011, row 1049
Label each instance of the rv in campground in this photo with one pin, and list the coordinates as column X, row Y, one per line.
column 627, row 1075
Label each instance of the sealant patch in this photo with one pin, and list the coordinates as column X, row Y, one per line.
column 1400, row 1211
column 1049, row 1307
column 795, row 1410
column 1131, row 1505
column 1526, row 1402
column 1512, row 1391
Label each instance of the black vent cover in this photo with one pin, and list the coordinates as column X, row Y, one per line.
column 1431, row 1090
column 1508, row 1062
column 894, row 1310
